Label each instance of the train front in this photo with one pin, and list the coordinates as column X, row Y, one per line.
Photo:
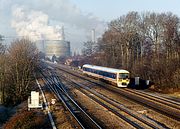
column 123, row 79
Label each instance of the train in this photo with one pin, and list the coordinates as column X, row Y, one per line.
column 119, row 77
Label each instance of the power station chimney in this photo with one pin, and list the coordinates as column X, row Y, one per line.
column 63, row 35
column 42, row 43
column 93, row 38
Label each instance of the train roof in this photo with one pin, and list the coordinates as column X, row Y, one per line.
column 112, row 70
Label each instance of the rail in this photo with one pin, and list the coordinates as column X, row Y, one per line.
column 158, row 105
column 139, row 117
column 84, row 120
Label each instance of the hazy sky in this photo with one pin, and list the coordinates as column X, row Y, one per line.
column 43, row 18
column 110, row 9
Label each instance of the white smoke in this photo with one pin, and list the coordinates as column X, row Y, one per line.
column 34, row 24
column 63, row 11
column 36, row 18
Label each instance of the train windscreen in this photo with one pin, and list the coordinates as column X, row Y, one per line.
column 123, row 75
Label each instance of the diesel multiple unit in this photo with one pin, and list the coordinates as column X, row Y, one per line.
column 119, row 77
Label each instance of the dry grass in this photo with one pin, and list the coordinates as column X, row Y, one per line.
column 27, row 120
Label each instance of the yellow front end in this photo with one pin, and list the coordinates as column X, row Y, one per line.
column 123, row 80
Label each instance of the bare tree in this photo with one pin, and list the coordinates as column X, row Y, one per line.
column 2, row 71
column 22, row 61
column 147, row 44
column 88, row 48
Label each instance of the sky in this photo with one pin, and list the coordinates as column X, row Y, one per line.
column 43, row 19
column 111, row 9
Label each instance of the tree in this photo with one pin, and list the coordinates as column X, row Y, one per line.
column 2, row 70
column 22, row 61
column 146, row 44
column 88, row 48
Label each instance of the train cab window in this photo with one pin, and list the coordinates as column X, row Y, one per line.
column 123, row 75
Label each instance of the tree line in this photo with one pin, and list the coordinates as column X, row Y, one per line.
column 17, row 64
column 146, row 44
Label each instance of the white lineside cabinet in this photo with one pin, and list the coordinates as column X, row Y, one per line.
column 137, row 80
column 33, row 100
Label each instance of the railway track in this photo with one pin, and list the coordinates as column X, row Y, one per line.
column 163, row 105
column 84, row 120
column 175, row 104
column 135, row 119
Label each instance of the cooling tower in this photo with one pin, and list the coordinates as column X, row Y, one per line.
column 59, row 48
